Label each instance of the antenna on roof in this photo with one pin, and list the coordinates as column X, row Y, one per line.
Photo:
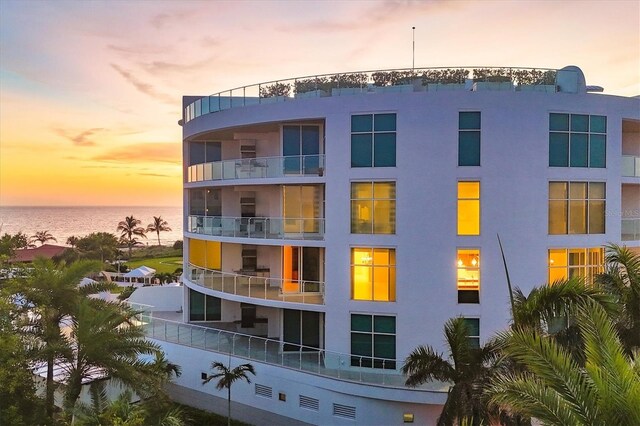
column 413, row 61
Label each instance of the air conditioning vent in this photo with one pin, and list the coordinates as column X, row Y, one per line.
column 264, row 391
column 309, row 403
column 345, row 411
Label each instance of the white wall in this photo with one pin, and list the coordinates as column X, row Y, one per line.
column 514, row 178
column 161, row 298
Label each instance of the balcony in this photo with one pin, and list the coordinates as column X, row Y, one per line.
column 258, row 227
column 630, row 166
column 630, row 229
column 266, row 288
column 258, row 168
column 306, row 359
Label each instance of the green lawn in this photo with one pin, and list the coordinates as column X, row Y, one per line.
column 160, row 264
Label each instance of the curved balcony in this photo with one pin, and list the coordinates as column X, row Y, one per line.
column 296, row 291
column 321, row 362
column 258, row 168
column 383, row 81
column 258, row 227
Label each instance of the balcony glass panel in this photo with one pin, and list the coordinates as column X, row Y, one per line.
column 258, row 227
column 258, row 168
column 266, row 288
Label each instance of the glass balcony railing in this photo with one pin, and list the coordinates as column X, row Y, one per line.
column 630, row 229
column 297, row 291
column 306, row 359
column 630, row 166
column 258, row 168
column 386, row 81
column 258, row 227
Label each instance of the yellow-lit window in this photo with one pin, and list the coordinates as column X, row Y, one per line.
column 373, row 274
column 469, row 269
column 577, row 207
column 373, row 207
column 585, row 263
column 468, row 276
column 468, row 208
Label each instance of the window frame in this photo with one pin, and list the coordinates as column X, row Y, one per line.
column 392, row 206
column 587, row 271
column 458, row 199
column 474, row 298
column 588, row 202
column 465, row 131
column 373, row 133
column 569, row 134
column 373, row 361
column 391, row 269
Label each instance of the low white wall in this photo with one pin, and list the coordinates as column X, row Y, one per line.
column 374, row 405
column 161, row 298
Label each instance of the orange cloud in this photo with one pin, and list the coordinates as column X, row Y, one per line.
column 144, row 153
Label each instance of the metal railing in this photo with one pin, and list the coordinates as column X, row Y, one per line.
column 390, row 80
column 258, row 227
column 630, row 166
column 297, row 291
column 307, row 359
column 258, row 168
column 630, row 229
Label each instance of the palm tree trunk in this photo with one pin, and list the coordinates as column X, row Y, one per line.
column 158, row 232
column 229, row 408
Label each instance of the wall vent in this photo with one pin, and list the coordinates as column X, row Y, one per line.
column 309, row 403
column 265, row 391
column 345, row 411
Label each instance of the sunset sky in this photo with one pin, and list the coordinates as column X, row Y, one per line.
column 90, row 92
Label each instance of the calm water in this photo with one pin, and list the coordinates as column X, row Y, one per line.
column 63, row 222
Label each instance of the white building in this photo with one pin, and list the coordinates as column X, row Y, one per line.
column 355, row 214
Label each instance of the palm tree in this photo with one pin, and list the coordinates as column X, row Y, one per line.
column 42, row 237
column 227, row 377
column 556, row 390
column 129, row 228
column 52, row 293
column 73, row 241
column 622, row 280
column 158, row 225
column 467, row 367
column 105, row 337
column 550, row 309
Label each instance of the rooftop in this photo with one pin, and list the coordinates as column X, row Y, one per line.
column 569, row 79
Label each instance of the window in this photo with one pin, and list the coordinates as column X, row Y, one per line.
column 473, row 330
column 204, row 152
column 577, row 140
column 301, row 149
column 468, row 276
column 565, row 263
column 373, row 140
column 576, row 208
column 469, row 138
column 373, row 274
column 373, row 341
column 373, row 208
column 468, row 208
column 203, row 307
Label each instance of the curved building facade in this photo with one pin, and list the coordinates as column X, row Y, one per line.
column 337, row 228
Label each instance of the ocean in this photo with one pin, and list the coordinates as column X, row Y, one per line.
column 63, row 222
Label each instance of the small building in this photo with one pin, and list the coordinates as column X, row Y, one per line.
column 28, row 255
